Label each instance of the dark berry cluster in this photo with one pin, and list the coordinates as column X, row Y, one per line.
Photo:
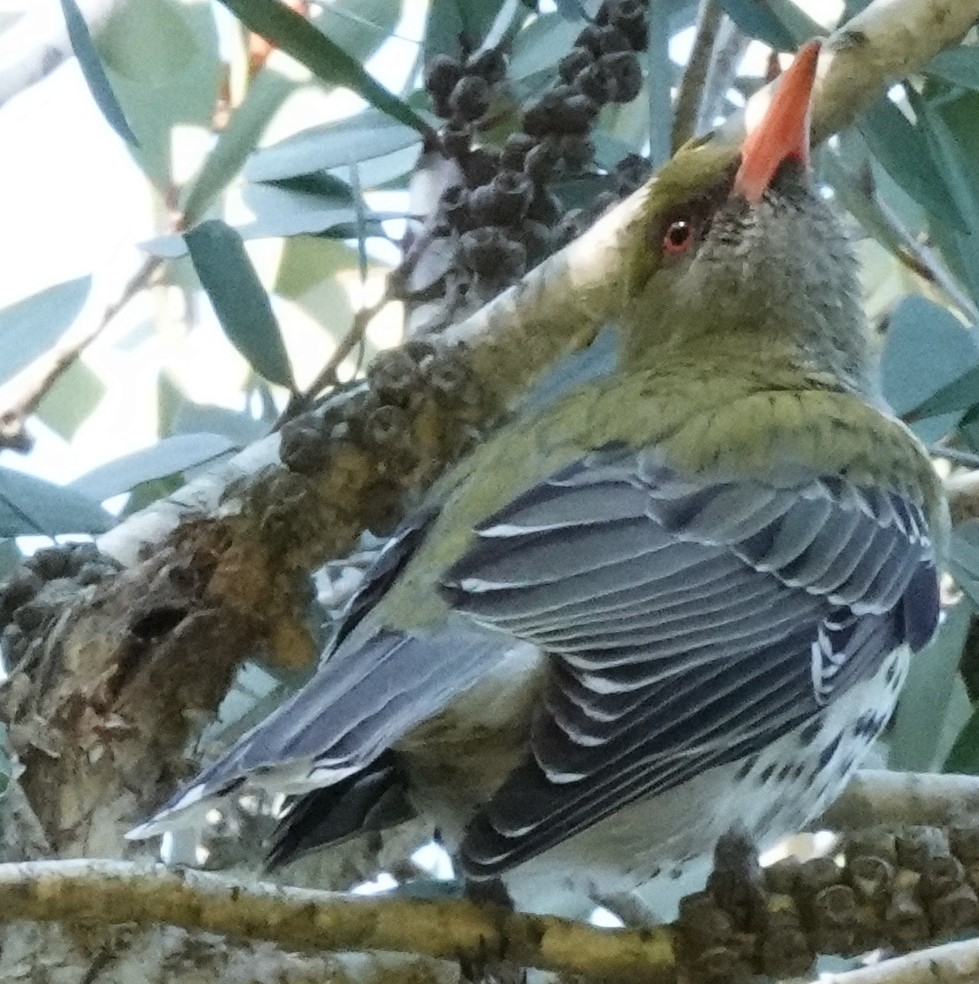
column 419, row 408
column 37, row 591
column 501, row 218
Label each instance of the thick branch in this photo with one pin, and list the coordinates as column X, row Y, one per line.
column 895, row 798
column 953, row 963
column 116, row 892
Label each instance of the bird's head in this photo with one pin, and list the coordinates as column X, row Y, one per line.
column 738, row 248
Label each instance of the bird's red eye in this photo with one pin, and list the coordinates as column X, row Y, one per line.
column 678, row 237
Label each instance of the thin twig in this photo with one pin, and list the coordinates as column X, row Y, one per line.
column 729, row 47
column 60, row 359
column 969, row 458
column 687, row 114
column 327, row 376
column 917, row 256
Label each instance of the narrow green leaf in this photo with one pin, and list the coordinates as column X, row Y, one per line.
column 297, row 37
column 903, row 150
column 170, row 456
column 68, row 404
column 94, row 73
column 236, row 141
column 754, row 17
column 926, row 352
column 28, row 328
column 964, row 756
column 450, row 20
column 31, row 506
column 239, row 301
column 957, row 65
column 164, row 62
column 362, row 137
column 934, row 692
column 360, row 27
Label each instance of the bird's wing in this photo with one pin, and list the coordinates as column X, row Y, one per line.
column 690, row 624
column 363, row 698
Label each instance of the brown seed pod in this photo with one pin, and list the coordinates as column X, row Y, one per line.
column 442, row 73
column 624, row 69
column 490, row 64
column 394, row 375
column 22, row 585
column 835, row 923
column 480, row 165
column 574, row 63
column 470, row 98
column 303, row 446
column 871, row 878
column 456, row 138
column 539, row 164
column 50, row 563
column 515, row 151
column 612, row 39
column 916, row 845
column 631, row 173
column 576, row 150
column 590, row 39
column 955, row 911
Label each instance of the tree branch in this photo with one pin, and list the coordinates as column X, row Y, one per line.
column 689, row 100
column 51, row 366
column 894, row 798
column 116, row 892
column 953, row 963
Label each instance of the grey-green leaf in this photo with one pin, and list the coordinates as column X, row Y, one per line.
column 170, row 456
column 240, row 302
column 903, row 150
column 358, row 138
column 31, row 506
column 94, row 73
column 30, row 327
column 957, row 65
column 327, row 60
column 929, row 366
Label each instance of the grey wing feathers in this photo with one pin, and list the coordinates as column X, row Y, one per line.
column 362, row 699
column 691, row 624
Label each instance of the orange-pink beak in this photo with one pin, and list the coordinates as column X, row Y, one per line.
column 783, row 132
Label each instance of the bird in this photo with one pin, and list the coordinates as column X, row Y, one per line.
column 676, row 599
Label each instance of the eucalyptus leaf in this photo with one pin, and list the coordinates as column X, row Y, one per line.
column 450, row 20
column 756, row 18
column 934, row 692
column 94, row 73
column 964, row 755
column 268, row 91
column 963, row 557
column 358, row 138
column 324, row 58
column 30, row 506
column 28, row 328
column 170, row 456
column 902, row 149
column 535, row 46
column 929, row 366
column 957, row 65
column 357, row 26
column 163, row 59
column 239, row 300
